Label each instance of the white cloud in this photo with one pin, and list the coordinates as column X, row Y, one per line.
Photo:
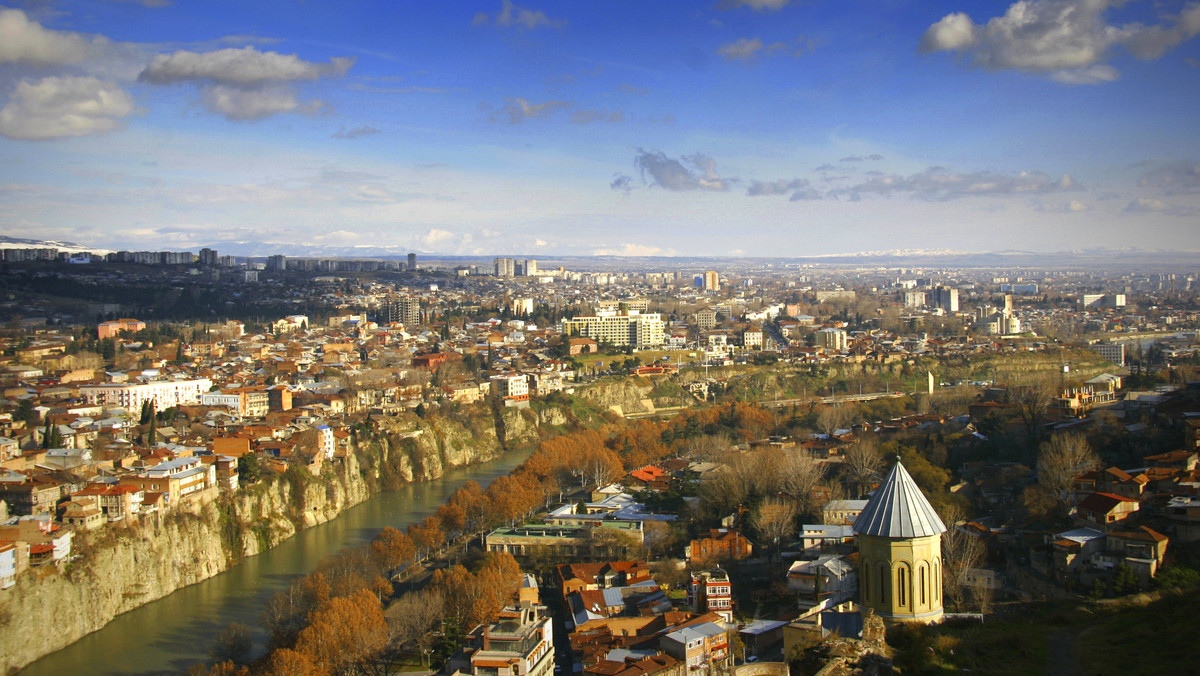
column 254, row 104
column 937, row 183
column 672, row 174
column 1146, row 205
column 245, row 67
column 1071, row 207
column 355, row 132
column 55, row 107
column 25, row 41
column 517, row 109
column 1068, row 39
column 1173, row 178
column 436, row 237
column 244, row 84
column 743, row 49
column 512, row 15
column 630, row 249
column 780, row 187
column 756, row 5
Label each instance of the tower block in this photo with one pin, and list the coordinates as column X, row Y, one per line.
column 900, row 552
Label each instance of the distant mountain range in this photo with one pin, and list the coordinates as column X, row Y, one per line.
column 1098, row 258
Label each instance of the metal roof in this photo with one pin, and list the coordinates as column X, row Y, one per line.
column 898, row 509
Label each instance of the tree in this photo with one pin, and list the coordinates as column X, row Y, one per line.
column 288, row 662
column 51, row 436
column 343, row 631
column 961, row 552
column 146, row 413
column 1062, row 459
column 775, row 521
column 798, row 474
column 393, row 548
column 25, row 411
column 863, row 463
column 233, row 644
column 833, row 418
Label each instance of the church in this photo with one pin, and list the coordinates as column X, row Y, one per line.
column 900, row 552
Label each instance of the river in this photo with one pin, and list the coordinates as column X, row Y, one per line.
column 169, row 635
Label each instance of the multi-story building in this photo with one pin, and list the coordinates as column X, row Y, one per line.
column 710, row 591
column 412, row 261
column 162, row 394
column 831, row 339
column 704, row 647
column 405, row 311
column 636, row 329
column 914, row 299
column 946, row 298
column 505, row 267
column 114, row 328
column 720, row 544
column 515, row 386
column 519, row 643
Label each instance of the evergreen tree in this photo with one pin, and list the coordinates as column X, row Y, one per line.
column 51, row 437
column 146, row 413
column 152, row 433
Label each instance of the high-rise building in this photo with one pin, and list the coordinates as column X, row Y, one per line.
column 412, row 261
column 712, row 281
column 946, row 298
column 405, row 311
column 531, row 267
column 208, row 257
column 505, row 267
column 277, row 263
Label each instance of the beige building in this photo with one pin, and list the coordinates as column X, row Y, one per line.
column 635, row 328
column 900, row 552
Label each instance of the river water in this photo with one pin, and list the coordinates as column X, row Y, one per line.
column 169, row 635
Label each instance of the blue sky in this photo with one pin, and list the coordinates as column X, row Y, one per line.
column 731, row 127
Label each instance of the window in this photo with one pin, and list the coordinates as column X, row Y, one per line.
column 923, row 574
column 901, row 585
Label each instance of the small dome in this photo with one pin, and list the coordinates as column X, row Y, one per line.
column 899, row 510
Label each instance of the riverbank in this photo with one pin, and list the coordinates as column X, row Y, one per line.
column 122, row 568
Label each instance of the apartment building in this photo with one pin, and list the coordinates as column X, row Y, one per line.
column 162, row 394
column 635, row 329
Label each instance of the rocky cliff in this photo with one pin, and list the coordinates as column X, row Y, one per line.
column 121, row 567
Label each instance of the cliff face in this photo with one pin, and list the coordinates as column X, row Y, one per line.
column 623, row 396
column 121, row 568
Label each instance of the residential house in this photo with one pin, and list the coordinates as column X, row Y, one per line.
column 721, row 544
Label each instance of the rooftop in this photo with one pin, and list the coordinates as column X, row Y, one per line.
column 898, row 509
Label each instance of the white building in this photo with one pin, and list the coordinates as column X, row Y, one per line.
column 635, row 328
column 162, row 394
column 831, row 339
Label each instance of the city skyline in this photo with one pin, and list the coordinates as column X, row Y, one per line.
column 728, row 128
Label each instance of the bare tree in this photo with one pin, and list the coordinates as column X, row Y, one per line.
column 775, row 521
column 1062, row 459
column 707, row 446
column 413, row 618
column 961, row 552
column 798, row 473
column 863, row 463
column 833, row 418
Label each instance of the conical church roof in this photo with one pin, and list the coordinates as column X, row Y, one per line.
column 898, row 510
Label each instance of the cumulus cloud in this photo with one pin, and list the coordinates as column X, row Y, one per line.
column 355, row 132
column 1068, row 39
column 245, row 67
column 691, row 172
column 512, row 15
column 1147, row 205
column 55, row 107
column 780, row 187
column 245, row 83
column 436, row 237
column 937, row 183
column 1173, row 178
column 25, row 41
column 517, row 110
column 621, row 183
